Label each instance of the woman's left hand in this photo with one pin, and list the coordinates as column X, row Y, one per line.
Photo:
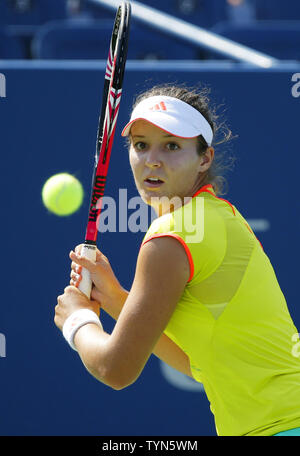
column 72, row 300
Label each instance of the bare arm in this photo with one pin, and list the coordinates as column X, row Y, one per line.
column 165, row 349
column 117, row 360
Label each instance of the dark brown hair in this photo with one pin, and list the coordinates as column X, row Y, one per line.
column 198, row 98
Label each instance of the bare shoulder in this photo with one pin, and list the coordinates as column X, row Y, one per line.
column 165, row 258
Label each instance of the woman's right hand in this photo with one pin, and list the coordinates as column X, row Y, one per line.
column 106, row 285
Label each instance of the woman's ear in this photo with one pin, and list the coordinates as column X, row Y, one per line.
column 207, row 159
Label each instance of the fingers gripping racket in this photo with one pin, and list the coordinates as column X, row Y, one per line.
column 112, row 92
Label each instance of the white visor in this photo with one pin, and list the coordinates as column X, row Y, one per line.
column 173, row 116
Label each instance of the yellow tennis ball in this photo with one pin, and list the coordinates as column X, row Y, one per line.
column 62, row 194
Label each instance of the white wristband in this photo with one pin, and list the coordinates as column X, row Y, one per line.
column 77, row 319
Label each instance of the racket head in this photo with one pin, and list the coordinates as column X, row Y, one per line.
column 114, row 76
column 107, row 79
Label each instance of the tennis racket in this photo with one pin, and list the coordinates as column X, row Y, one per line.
column 112, row 92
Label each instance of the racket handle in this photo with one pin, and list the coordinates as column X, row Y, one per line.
column 85, row 285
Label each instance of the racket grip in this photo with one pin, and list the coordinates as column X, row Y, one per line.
column 85, row 285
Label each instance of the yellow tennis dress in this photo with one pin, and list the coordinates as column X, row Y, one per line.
column 232, row 320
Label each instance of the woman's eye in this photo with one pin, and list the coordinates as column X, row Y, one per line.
column 140, row 145
column 172, row 146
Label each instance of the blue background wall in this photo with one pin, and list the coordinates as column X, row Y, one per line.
column 48, row 123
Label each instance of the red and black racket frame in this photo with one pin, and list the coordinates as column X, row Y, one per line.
column 112, row 93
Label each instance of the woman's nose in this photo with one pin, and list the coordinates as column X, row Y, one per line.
column 153, row 159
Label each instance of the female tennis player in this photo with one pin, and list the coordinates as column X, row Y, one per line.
column 205, row 298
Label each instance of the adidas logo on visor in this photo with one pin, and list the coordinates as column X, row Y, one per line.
column 159, row 107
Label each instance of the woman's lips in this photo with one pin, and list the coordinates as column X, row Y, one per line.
column 153, row 183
